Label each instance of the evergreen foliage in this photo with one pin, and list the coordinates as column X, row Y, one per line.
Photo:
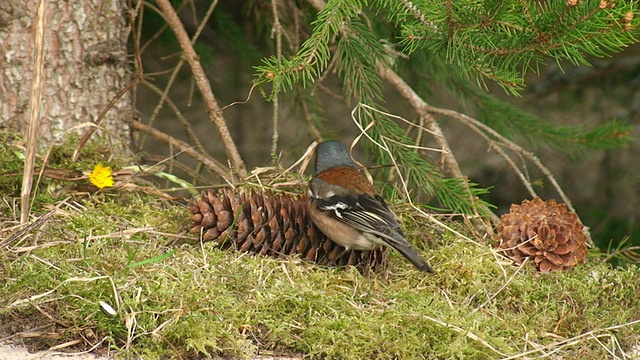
column 422, row 177
column 459, row 46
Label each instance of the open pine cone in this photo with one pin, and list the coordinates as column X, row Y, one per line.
column 273, row 225
column 544, row 232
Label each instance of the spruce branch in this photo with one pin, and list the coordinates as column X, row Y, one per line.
column 461, row 41
column 420, row 106
column 454, row 194
column 313, row 56
column 509, row 120
column 358, row 51
column 360, row 56
column 504, row 41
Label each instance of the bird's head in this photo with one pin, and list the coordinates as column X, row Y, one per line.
column 332, row 153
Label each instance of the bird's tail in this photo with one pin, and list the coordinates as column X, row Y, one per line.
column 402, row 245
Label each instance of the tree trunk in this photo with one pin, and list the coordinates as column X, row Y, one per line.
column 85, row 65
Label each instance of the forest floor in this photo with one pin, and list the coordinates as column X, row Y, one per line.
column 117, row 271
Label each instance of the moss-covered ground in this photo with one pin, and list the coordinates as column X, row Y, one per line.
column 176, row 298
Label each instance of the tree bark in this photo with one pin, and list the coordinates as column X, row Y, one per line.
column 85, row 65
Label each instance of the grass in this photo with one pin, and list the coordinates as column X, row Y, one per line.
column 178, row 298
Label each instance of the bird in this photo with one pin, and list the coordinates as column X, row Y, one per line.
column 344, row 205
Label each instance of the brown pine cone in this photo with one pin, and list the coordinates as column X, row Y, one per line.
column 273, row 225
column 544, row 232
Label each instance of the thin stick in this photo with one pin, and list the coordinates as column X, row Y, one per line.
column 277, row 32
column 207, row 161
column 34, row 110
column 501, row 287
column 188, row 129
column 506, row 158
column 274, row 119
column 176, row 70
column 103, row 113
column 451, row 164
column 465, row 332
column 25, row 229
column 466, row 119
column 32, row 298
column 309, row 118
column 215, row 114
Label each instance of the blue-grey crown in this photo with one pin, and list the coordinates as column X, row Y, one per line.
column 332, row 153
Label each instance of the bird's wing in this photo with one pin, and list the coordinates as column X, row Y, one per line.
column 364, row 212
column 370, row 214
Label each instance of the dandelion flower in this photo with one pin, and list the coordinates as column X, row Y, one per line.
column 101, row 176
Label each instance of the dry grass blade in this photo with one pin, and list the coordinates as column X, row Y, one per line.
column 21, row 302
column 34, row 109
column 26, row 228
column 630, row 252
column 506, row 283
column 558, row 345
column 466, row 333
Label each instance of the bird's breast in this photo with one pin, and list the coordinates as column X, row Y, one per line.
column 342, row 233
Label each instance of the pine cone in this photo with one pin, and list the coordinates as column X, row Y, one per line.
column 544, row 232
column 273, row 225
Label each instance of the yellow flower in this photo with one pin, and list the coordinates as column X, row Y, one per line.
column 101, row 176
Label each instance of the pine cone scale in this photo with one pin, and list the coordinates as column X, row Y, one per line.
column 545, row 232
column 273, row 225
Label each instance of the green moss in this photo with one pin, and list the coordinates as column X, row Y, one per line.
column 211, row 302
column 196, row 300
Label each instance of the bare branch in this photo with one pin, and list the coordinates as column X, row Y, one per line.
column 215, row 114
column 178, row 67
column 450, row 162
column 210, row 163
column 277, row 32
column 421, row 107
column 188, row 129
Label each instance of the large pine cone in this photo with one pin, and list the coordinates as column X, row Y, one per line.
column 544, row 232
column 274, row 225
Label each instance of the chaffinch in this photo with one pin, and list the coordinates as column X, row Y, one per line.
column 345, row 207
